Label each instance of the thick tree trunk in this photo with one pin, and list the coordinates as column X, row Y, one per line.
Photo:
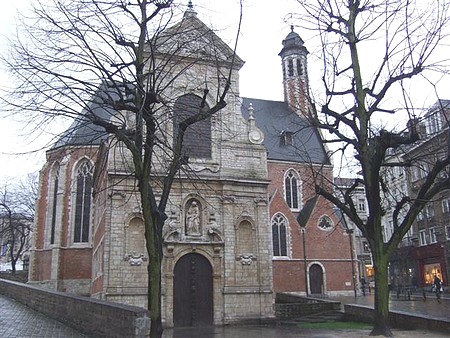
column 154, row 250
column 381, row 321
column 154, row 296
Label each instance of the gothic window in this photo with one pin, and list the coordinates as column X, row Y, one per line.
column 299, row 68
column 53, row 201
column 197, row 137
column 279, row 237
column 83, row 193
column 290, row 67
column 292, row 188
column 325, row 223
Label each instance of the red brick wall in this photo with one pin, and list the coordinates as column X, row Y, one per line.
column 330, row 248
column 42, row 267
column 76, row 263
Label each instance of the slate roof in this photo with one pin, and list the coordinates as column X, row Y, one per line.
column 82, row 131
column 273, row 118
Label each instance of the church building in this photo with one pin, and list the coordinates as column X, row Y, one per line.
column 243, row 223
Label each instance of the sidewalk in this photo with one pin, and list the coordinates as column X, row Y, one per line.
column 417, row 306
column 19, row 321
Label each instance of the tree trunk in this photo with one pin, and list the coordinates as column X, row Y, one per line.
column 154, row 296
column 381, row 320
column 153, row 240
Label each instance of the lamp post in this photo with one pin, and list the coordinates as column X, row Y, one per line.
column 350, row 236
column 303, row 230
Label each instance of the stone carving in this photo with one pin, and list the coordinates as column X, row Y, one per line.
column 193, row 219
column 135, row 259
column 172, row 228
column 246, row 259
column 213, row 229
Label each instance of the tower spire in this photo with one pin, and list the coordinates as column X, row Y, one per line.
column 295, row 72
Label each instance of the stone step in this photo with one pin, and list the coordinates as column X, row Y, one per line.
column 327, row 316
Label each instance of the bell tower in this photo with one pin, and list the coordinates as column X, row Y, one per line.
column 295, row 73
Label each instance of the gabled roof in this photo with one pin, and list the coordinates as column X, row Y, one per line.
column 191, row 38
column 274, row 118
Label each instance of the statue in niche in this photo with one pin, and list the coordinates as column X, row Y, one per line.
column 193, row 219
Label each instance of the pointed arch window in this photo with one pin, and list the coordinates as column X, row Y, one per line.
column 279, row 235
column 197, row 138
column 83, row 195
column 54, row 201
column 292, row 188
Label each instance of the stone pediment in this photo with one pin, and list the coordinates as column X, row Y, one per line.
column 191, row 38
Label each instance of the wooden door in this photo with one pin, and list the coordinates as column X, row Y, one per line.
column 316, row 279
column 193, row 291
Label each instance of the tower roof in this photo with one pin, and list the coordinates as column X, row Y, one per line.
column 293, row 42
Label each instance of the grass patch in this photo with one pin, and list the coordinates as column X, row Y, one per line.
column 336, row 326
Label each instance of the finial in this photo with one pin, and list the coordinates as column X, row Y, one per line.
column 251, row 111
column 292, row 23
column 190, row 9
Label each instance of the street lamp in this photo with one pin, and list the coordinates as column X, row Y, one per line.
column 303, row 231
column 350, row 236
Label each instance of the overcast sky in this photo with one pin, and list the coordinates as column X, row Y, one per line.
column 264, row 28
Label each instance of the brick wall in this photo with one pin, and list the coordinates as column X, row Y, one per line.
column 92, row 317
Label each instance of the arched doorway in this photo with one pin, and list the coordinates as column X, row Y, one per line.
column 193, row 291
column 316, row 279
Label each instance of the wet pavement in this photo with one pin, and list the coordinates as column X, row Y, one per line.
column 19, row 321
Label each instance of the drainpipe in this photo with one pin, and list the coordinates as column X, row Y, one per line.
column 303, row 230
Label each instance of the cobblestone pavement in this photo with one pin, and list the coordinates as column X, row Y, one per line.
column 19, row 321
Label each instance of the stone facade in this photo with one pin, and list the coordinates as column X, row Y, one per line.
column 218, row 237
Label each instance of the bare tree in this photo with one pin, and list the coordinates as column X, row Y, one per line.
column 16, row 217
column 112, row 66
column 370, row 51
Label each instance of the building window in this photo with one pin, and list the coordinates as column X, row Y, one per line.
column 361, row 205
column 197, row 137
column 325, row 223
column 279, row 237
column 447, row 230
column 446, row 205
column 415, row 174
column 422, row 237
column 290, row 67
column 291, row 186
column 54, row 202
column 431, row 270
column 420, row 216
column 83, row 195
column 430, row 211
column 287, row 138
column 432, row 235
column 299, row 68
column 433, row 124
column 366, row 247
